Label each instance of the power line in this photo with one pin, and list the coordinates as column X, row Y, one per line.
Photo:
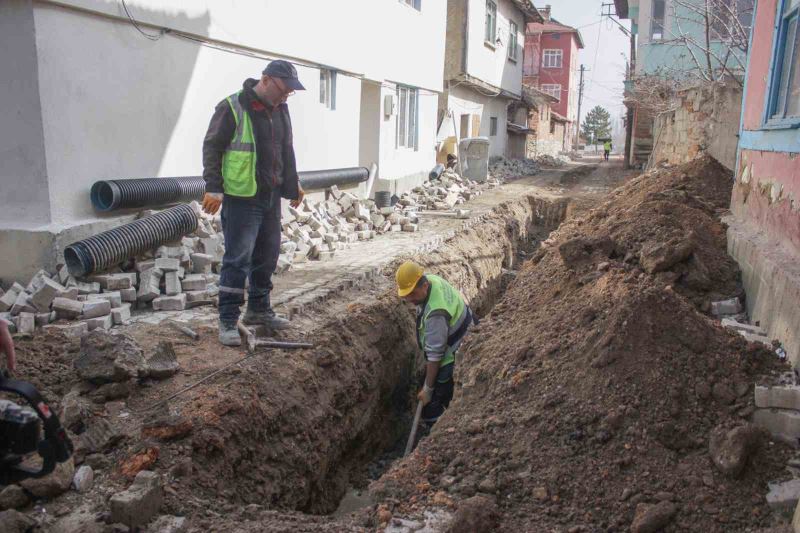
column 136, row 25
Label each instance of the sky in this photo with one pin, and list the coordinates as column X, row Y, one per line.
column 605, row 53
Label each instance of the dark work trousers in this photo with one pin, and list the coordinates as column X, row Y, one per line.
column 252, row 229
column 442, row 394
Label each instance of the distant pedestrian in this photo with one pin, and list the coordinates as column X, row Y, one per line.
column 249, row 165
column 607, row 146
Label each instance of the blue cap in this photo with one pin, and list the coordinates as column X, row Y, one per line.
column 285, row 71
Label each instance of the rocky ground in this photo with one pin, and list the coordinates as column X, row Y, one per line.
column 596, row 395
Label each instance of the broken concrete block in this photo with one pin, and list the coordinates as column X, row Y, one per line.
column 163, row 363
column 149, row 284
column 23, row 304
column 196, row 296
column 780, row 397
column 114, row 297
column 169, row 252
column 752, row 337
column 726, row 307
column 122, row 280
column 66, row 308
column 144, row 266
column 42, row 319
column 334, row 192
column 325, row 255
column 396, row 227
column 386, row 211
column 730, row 323
column 167, row 264
column 411, row 228
column 26, row 323
column 45, row 294
column 120, row 315
column 95, row 309
column 781, row 424
column 201, row 263
column 63, row 274
column 88, row 288
column 170, row 303
column 783, row 497
column 172, row 283
column 140, row 503
column 71, row 293
column 128, row 295
column 193, row 282
column 7, row 300
column 73, row 330
column 101, row 322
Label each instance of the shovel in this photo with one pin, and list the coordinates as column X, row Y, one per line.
column 414, row 425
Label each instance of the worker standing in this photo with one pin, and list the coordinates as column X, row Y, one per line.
column 443, row 318
column 248, row 166
column 607, row 149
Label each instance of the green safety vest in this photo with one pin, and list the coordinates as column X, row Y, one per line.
column 239, row 160
column 607, row 146
column 443, row 296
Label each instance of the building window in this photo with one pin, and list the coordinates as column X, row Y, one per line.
column 491, row 22
column 416, row 4
column 784, row 103
column 657, row 20
column 731, row 19
column 407, row 117
column 552, row 126
column 492, row 126
column 552, row 58
column 512, row 40
column 327, row 88
column 553, row 89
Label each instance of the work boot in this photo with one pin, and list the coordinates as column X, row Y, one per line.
column 266, row 318
column 229, row 335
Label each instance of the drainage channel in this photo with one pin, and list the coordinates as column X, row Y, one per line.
column 310, row 432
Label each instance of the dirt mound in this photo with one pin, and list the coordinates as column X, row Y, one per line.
column 589, row 395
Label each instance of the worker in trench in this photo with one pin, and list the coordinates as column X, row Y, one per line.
column 443, row 318
column 248, row 166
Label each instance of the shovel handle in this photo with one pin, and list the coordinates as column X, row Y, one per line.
column 414, row 425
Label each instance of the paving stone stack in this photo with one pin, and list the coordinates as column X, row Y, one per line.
column 501, row 168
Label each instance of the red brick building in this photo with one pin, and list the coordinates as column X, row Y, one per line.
column 551, row 65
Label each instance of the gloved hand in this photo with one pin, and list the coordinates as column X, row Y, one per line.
column 425, row 394
column 300, row 195
column 211, row 202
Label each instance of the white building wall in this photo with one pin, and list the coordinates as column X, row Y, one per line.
column 464, row 101
column 489, row 61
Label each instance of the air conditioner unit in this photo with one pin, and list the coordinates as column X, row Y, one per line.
column 389, row 105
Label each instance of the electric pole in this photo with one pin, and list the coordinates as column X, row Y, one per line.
column 580, row 98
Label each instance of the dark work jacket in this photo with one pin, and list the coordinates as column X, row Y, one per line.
column 276, row 167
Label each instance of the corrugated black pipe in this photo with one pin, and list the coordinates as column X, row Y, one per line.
column 322, row 179
column 436, row 172
column 108, row 195
column 107, row 249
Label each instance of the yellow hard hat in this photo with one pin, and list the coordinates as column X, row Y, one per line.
column 407, row 276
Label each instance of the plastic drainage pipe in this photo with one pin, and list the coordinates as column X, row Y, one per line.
column 108, row 195
column 322, row 179
column 107, row 249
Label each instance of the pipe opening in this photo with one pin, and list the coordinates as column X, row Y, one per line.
column 75, row 265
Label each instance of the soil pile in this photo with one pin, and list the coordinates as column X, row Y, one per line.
column 587, row 399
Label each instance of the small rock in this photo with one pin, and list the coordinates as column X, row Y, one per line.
column 652, row 518
column 13, row 497
column 541, row 494
column 731, row 449
column 137, row 505
column 105, row 358
column 12, row 521
column 53, row 484
column 84, row 478
column 168, row 524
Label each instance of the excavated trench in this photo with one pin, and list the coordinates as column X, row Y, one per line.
column 310, row 431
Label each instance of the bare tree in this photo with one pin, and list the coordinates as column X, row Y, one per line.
column 713, row 35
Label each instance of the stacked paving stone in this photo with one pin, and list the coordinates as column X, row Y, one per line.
column 502, row 169
column 442, row 194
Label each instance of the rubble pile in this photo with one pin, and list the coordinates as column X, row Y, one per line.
column 605, row 360
column 502, row 168
column 442, row 194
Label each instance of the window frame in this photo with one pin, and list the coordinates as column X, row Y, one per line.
column 545, row 86
column 782, row 21
column 559, row 55
column 413, row 4
column 407, row 128
column 653, row 23
column 512, row 41
column 492, row 126
column 327, row 88
column 490, row 14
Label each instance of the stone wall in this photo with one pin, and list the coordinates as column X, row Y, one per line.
column 705, row 120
